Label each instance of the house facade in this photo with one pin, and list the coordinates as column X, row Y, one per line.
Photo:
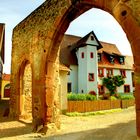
column 90, row 61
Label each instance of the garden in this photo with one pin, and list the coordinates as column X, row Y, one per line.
column 90, row 102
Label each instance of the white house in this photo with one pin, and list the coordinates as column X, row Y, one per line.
column 90, row 60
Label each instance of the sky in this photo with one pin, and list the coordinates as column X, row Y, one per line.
column 103, row 24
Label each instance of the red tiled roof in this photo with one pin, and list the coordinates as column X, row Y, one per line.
column 68, row 57
column 109, row 48
column 6, row 77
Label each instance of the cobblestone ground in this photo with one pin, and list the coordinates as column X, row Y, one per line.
column 114, row 126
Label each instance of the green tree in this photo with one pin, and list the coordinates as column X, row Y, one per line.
column 112, row 82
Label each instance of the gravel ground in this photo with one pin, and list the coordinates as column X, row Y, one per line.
column 114, row 126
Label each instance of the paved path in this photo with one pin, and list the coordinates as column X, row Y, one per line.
column 114, row 126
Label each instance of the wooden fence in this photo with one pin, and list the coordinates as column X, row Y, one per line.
column 88, row 106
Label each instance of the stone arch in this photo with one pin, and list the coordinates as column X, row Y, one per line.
column 43, row 30
column 7, row 90
column 25, row 91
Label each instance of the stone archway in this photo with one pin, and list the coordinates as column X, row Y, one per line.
column 25, row 92
column 7, row 90
column 38, row 37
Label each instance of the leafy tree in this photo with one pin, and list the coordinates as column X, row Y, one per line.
column 112, row 82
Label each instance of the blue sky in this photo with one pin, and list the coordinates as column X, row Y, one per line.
column 102, row 23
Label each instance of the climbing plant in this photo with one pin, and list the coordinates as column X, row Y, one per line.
column 112, row 82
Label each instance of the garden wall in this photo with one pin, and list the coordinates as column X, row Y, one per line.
column 89, row 106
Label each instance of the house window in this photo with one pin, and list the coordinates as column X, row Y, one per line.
column 101, row 72
column 126, row 88
column 82, row 54
column 121, row 60
column 91, row 55
column 133, row 80
column 123, row 73
column 99, row 57
column 91, row 76
column 100, row 89
column 69, row 87
column 92, row 37
column 111, row 59
column 109, row 72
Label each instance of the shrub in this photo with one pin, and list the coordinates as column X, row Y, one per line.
column 80, row 97
column 126, row 96
column 72, row 97
column 90, row 97
column 112, row 98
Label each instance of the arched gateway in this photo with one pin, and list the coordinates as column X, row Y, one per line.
column 37, row 40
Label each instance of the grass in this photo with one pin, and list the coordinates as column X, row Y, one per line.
column 103, row 112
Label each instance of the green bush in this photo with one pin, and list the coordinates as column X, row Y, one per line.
column 90, row 97
column 112, row 98
column 72, row 97
column 126, row 96
column 80, row 97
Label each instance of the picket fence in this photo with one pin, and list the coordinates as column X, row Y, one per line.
column 88, row 106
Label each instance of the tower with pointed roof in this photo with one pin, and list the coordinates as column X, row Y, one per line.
column 86, row 52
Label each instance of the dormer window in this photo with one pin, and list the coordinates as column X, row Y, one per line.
column 99, row 57
column 111, row 59
column 121, row 60
column 92, row 37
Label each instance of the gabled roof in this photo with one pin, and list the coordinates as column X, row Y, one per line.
column 71, row 42
column 66, row 56
column 83, row 42
column 2, row 40
column 109, row 48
